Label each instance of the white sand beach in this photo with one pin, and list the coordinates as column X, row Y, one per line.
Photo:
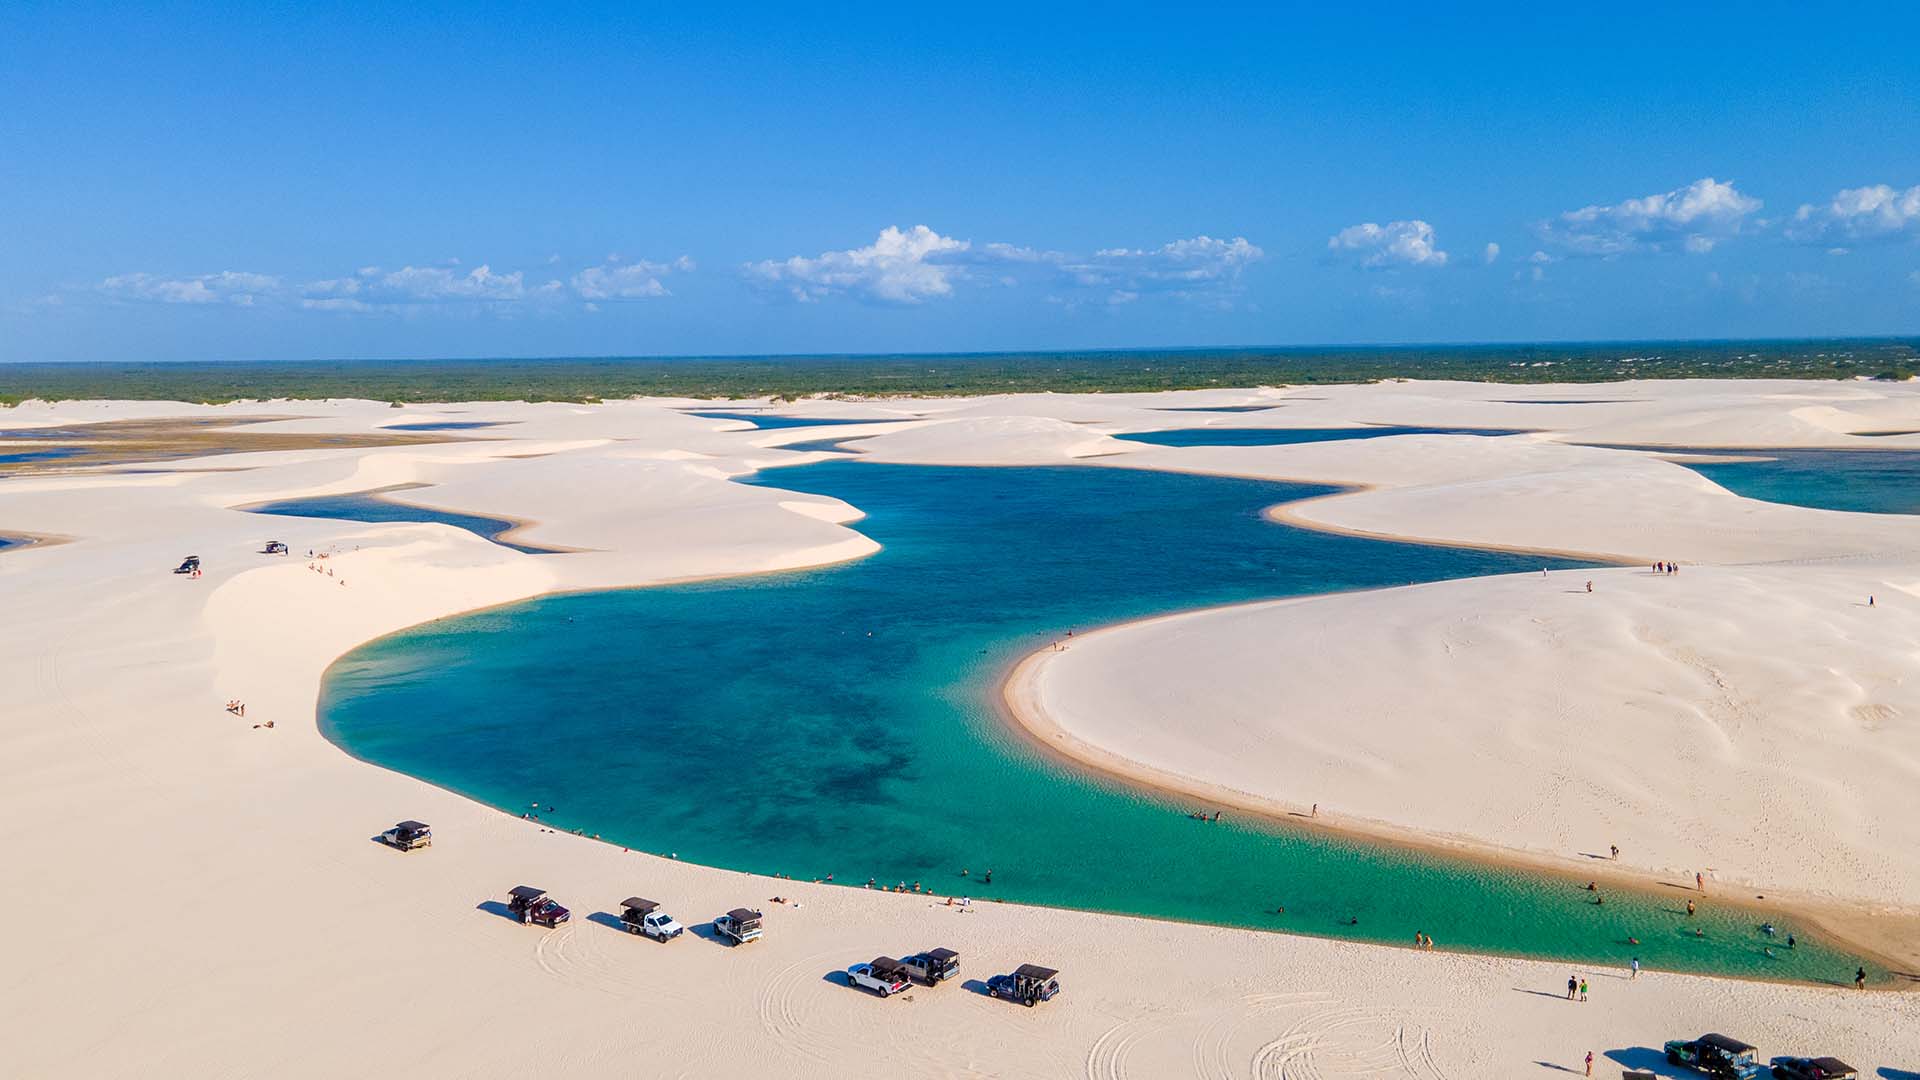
column 199, row 896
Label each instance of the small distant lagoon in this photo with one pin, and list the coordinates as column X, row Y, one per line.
column 1865, row 481
column 51, row 453
column 772, row 421
column 844, row 720
column 1236, row 436
column 446, row 425
column 373, row 506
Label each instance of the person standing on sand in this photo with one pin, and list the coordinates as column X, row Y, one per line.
column 1583, row 989
column 1589, row 1063
column 1636, row 968
column 1316, row 806
column 1699, row 882
column 1615, row 848
column 1573, row 984
column 1860, row 978
column 1589, row 586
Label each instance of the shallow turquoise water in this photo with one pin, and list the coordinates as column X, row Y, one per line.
column 1228, row 436
column 1870, row 481
column 843, row 720
column 368, row 506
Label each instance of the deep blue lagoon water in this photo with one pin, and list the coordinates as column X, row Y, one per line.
column 371, row 506
column 1229, row 436
column 844, row 720
column 1871, row 481
column 446, row 425
column 51, row 453
column 770, row 421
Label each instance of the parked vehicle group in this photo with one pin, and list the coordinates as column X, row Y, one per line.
column 1719, row 1056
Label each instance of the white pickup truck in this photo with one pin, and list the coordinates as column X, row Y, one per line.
column 738, row 926
column 884, row 976
column 638, row 916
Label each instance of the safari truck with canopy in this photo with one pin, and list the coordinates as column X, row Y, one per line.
column 408, row 835
column 1029, row 985
column 884, row 976
column 932, row 966
column 1815, row 1068
column 738, row 926
column 531, row 905
column 640, row 916
column 1717, row 1056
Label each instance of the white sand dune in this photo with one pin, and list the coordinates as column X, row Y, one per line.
column 195, row 896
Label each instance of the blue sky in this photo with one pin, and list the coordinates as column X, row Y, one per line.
column 284, row 181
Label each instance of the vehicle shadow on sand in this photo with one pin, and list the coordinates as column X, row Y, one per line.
column 608, row 920
column 1647, row 1060
column 708, row 932
column 975, row 986
column 1886, row 1073
column 839, row 978
column 495, row 907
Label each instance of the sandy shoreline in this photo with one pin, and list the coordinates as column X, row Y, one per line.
column 263, row 902
column 1889, row 938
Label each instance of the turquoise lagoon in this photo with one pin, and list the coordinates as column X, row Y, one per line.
column 1870, row 481
column 1259, row 436
column 844, row 721
column 373, row 507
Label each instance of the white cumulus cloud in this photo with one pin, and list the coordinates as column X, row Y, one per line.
column 1695, row 218
column 1397, row 243
column 626, row 281
column 225, row 287
column 1491, row 253
column 913, row 265
column 900, row 267
column 1857, row 215
column 1180, row 267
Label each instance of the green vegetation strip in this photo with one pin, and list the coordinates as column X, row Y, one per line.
column 589, row 379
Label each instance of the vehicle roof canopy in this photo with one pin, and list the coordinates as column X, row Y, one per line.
column 635, row 903
column 1721, row 1042
column 1834, row 1066
column 526, row 892
column 412, row 826
column 1034, row 971
column 942, row 954
column 741, row 914
column 885, row 963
